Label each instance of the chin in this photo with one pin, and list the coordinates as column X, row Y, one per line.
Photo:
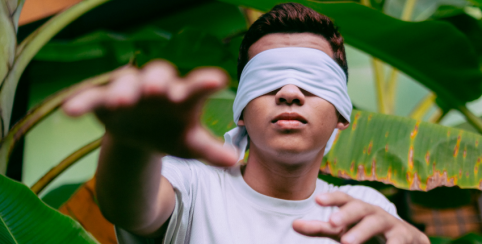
column 293, row 151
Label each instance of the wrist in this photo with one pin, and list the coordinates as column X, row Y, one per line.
column 123, row 145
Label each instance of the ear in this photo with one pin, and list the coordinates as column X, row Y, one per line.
column 241, row 120
column 342, row 123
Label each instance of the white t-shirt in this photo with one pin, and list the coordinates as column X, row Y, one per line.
column 216, row 206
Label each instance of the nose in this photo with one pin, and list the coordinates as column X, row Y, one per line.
column 290, row 94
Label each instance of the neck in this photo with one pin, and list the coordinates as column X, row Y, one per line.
column 294, row 180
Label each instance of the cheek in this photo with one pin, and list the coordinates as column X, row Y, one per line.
column 325, row 118
column 255, row 113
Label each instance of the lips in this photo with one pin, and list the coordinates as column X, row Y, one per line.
column 289, row 120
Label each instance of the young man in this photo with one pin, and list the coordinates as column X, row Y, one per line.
column 292, row 96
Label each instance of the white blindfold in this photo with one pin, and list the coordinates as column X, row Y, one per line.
column 307, row 68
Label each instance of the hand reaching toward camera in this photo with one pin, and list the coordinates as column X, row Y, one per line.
column 357, row 222
column 153, row 108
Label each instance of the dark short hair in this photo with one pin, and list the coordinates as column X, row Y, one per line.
column 293, row 18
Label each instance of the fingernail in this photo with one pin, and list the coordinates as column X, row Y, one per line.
column 322, row 198
column 336, row 219
column 348, row 239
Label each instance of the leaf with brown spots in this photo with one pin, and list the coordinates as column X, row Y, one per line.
column 406, row 153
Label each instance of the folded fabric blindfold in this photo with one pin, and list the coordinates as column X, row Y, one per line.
column 307, row 68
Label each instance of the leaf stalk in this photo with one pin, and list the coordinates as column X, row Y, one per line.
column 423, row 106
column 29, row 48
column 64, row 165
column 475, row 121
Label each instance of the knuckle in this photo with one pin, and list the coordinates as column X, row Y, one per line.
column 160, row 64
column 123, row 72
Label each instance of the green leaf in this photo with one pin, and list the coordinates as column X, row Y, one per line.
column 58, row 196
column 406, row 153
column 436, row 198
column 218, row 113
column 470, row 238
column 471, row 27
column 101, row 43
column 439, row 240
column 27, row 50
column 24, row 218
column 432, row 52
column 192, row 48
column 216, row 18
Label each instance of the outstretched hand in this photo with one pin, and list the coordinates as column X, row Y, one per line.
column 357, row 222
column 156, row 109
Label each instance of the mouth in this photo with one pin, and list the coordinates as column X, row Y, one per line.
column 289, row 120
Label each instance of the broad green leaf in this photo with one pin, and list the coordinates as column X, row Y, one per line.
column 470, row 238
column 27, row 50
column 58, row 196
column 101, row 43
column 216, row 18
column 407, row 153
column 439, row 240
column 432, row 52
column 192, row 48
column 24, row 218
column 471, row 27
column 218, row 113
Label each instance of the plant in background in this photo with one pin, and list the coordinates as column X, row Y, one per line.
column 407, row 153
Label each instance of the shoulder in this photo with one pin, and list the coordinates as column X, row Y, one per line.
column 187, row 169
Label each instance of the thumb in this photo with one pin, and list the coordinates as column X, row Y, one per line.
column 205, row 146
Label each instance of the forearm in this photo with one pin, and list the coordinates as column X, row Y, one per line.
column 129, row 187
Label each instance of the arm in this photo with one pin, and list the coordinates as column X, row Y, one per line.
column 134, row 196
column 357, row 222
column 148, row 113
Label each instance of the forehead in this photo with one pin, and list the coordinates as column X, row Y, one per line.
column 277, row 40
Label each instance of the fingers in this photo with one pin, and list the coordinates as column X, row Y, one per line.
column 351, row 213
column 317, row 228
column 124, row 91
column 204, row 81
column 366, row 229
column 205, row 146
column 336, row 198
column 156, row 77
column 84, row 102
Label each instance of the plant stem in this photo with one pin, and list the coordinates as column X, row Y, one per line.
column 392, row 90
column 38, row 113
column 65, row 164
column 437, row 116
column 392, row 83
column 475, row 121
column 251, row 15
column 423, row 106
column 29, row 48
column 380, row 84
column 366, row 3
column 408, row 10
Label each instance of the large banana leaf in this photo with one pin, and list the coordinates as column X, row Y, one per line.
column 434, row 53
column 407, row 153
column 470, row 26
column 26, row 219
